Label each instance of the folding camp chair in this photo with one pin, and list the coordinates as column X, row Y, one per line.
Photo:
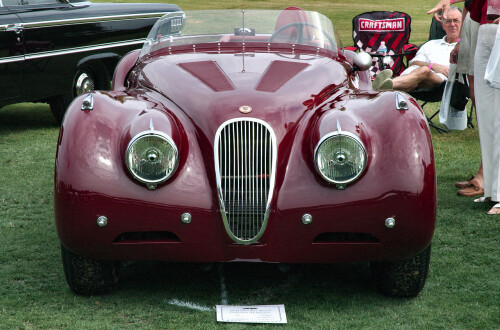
column 371, row 28
column 431, row 95
column 435, row 95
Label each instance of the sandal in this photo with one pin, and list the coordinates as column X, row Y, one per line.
column 464, row 184
column 470, row 191
column 495, row 209
column 483, row 200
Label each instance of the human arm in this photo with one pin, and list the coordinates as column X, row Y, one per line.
column 433, row 56
column 438, row 68
column 454, row 53
column 442, row 7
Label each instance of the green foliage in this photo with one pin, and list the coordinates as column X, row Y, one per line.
column 461, row 292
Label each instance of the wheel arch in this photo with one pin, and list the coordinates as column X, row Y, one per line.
column 109, row 60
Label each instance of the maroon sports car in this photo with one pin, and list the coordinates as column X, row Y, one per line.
column 238, row 136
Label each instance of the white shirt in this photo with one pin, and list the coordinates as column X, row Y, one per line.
column 433, row 51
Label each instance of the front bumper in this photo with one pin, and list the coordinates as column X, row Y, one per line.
column 347, row 232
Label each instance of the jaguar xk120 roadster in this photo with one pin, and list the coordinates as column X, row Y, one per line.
column 244, row 136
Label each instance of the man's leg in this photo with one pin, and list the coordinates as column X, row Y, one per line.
column 475, row 186
column 421, row 77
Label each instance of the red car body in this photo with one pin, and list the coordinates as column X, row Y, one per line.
column 302, row 93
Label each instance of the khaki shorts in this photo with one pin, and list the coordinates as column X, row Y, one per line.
column 468, row 41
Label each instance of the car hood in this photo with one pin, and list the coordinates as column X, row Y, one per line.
column 212, row 88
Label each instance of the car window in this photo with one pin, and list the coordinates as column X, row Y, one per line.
column 12, row 2
column 8, row 3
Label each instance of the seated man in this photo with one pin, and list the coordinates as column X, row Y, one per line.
column 430, row 65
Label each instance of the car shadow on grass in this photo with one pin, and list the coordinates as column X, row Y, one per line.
column 26, row 116
column 249, row 283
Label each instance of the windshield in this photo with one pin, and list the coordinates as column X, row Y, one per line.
column 292, row 26
column 10, row 3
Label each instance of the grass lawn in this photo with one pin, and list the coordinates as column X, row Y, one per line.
column 462, row 290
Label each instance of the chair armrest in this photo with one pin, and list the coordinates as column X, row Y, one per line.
column 410, row 50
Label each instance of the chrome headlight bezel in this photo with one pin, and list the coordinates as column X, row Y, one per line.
column 151, row 184
column 340, row 183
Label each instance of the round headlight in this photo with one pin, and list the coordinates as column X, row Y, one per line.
column 340, row 158
column 151, row 157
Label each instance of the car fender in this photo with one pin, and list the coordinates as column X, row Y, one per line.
column 122, row 70
column 399, row 180
column 109, row 59
column 88, row 176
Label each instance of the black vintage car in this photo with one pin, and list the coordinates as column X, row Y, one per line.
column 53, row 50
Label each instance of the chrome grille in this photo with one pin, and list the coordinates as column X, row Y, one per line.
column 245, row 157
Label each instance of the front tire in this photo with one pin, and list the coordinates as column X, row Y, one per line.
column 87, row 276
column 402, row 278
column 88, row 77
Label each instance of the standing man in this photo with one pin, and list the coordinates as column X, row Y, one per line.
column 487, row 99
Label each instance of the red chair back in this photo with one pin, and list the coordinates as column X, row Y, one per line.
column 371, row 28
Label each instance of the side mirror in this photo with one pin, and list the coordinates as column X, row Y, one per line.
column 362, row 61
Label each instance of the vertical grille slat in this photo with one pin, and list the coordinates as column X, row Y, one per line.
column 245, row 156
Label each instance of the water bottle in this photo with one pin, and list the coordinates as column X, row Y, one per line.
column 382, row 50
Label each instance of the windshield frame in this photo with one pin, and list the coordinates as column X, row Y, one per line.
column 251, row 29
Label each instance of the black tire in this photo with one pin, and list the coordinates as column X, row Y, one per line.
column 88, row 276
column 94, row 76
column 58, row 106
column 402, row 278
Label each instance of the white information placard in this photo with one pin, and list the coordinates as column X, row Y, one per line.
column 251, row 314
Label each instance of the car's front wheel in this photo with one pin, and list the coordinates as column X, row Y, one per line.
column 402, row 278
column 89, row 276
column 87, row 77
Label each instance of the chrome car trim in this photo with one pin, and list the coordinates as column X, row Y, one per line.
column 12, row 59
column 401, row 103
column 307, row 219
column 186, row 218
column 102, row 221
column 9, row 27
column 88, row 103
column 17, row 28
column 83, row 49
column 87, row 20
column 79, row 4
column 390, row 223
column 71, row 51
column 245, row 156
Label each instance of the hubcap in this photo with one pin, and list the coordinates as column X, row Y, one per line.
column 84, row 83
